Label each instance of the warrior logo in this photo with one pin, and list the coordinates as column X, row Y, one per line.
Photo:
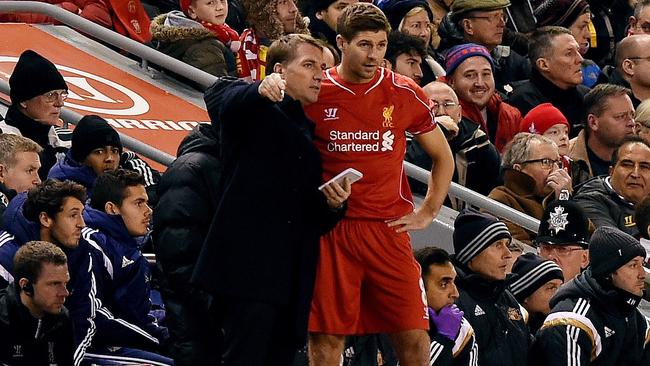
column 330, row 114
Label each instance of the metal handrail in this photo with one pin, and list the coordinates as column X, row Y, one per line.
column 125, row 43
column 129, row 142
column 477, row 200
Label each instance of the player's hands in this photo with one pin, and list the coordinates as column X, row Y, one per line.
column 337, row 194
column 272, row 87
column 416, row 220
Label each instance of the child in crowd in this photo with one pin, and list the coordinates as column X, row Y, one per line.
column 212, row 14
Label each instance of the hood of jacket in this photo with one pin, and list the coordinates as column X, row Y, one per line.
column 613, row 300
column 69, row 169
column 17, row 225
column 204, row 138
column 175, row 26
column 111, row 225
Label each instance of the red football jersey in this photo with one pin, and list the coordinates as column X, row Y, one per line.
column 363, row 126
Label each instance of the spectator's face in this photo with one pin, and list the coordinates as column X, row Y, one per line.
column 65, row 227
column 580, row 31
column 536, row 168
column 563, row 66
column 615, row 123
column 538, row 301
column 23, row 175
column 331, row 14
column 418, row 25
column 642, row 24
column 408, row 64
column 103, row 159
column 287, row 13
column 631, row 174
column 638, row 64
column 473, row 81
column 630, row 277
column 492, row 262
column 50, row 289
column 304, row 73
column 212, row 11
column 571, row 258
column 440, row 286
column 45, row 108
column 485, row 28
column 642, row 129
column 134, row 210
column 328, row 58
column 362, row 55
column 445, row 101
column 559, row 133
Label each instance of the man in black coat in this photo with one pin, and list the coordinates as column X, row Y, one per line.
column 35, row 327
column 259, row 257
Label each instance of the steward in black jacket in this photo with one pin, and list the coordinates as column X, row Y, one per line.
column 593, row 322
column 188, row 193
column 27, row 341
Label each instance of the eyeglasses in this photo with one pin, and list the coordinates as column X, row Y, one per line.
column 546, row 162
column 503, row 17
column 447, row 105
column 561, row 250
column 54, row 95
column 645, row 27
column 639, row 58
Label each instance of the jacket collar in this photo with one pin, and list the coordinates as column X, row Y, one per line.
column 479, row 286
column 548, row 89
column 28, row 127
column 578, row 151
column 520, row 183
column 111, row 225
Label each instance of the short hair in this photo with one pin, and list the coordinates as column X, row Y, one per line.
column 541, row 42
column 643, row 112
column 431, row 255
column 517, row 150
column 361, row 17
column 400, row 43
column 48, row 197
column 29, row 259
column 414, row 11
column 111, row 187
column 639, row 8
column 642, row 217
column 595, row 100
column 627, row 141
column 285, row 49
column 11, row 144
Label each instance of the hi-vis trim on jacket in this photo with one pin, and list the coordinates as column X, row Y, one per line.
column 481, row 241
column 531, row 277
column 465, row 335
column 86, row 233
column 575, row 321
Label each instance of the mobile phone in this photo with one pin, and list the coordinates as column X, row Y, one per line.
column 352, row 174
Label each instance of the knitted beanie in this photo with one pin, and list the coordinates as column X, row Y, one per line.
column 457, row 54
column 560, row 12
column 33, row 75
column 396, row 10
column 460, row 7
column 90, row 133
column 610, row 249
column 474, row 231
column 541, row 118
column 534, row 272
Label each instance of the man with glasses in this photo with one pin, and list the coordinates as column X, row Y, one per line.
column 632, row 68
column 484, row 22
column 476, row 159
column 563, row 237
column 610, row 118
column 610, row 200
column 640, row 21
column 37, row 94
column 533, row 176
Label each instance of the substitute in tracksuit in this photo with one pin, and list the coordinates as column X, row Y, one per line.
column 117, row 216
column 452, row 337
column 594, row 319
column 53, row 212
column 481, row 258
column 35, row 327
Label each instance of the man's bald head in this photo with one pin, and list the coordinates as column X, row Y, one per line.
column 632, row 47
column 444, row 99
column 436, row 88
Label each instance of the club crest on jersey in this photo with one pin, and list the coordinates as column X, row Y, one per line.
column 388, row 117
column 331, row 114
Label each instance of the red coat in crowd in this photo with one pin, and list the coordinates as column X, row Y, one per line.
column 96, row 11
column 508, row 119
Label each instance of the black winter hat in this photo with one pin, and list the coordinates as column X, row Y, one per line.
column 474, row 231
column 534, row 271
column 564, row 222
column 33, row 75
column 560, row 12
column 396, row 10
column 610, row 249
column 92, row 132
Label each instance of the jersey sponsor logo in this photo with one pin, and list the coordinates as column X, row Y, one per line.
column 126, row 261
column 388, row 138
column 331, row 114
column 388, row 117
column 478, row 311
